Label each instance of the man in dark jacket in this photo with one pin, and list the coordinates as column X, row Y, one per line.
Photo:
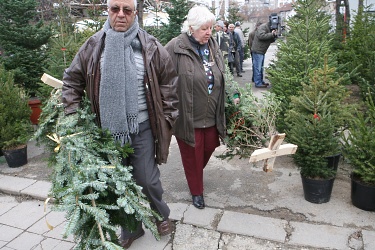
column 264, row 36
column 234, row 47
column 250, row 43
column 222, row 38
column 132, row 85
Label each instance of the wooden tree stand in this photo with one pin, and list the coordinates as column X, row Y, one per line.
column 274, row 149
column 51, row 81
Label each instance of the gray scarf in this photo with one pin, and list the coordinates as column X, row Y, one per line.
column 118, row 96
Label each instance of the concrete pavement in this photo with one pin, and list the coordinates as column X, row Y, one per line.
column 246, row 208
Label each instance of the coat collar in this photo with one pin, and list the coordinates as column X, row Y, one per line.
column 183, row 45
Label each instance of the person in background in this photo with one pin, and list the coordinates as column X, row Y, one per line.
column 222, row 38
column 230, row 55
column 131, row 82
column 225, row 29
column 264, row 36
column 234, row 48
column 201, row 91
column 250, row 43
column 241, row 50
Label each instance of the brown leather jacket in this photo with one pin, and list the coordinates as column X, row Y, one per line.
column 160, row 84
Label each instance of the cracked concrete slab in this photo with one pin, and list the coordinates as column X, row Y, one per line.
column 253, row 225
column 189, row 237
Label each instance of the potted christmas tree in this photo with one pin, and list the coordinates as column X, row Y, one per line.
column 359, row 150
column 316, row 117
column 14, row 120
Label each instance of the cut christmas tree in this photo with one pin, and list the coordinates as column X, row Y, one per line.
column 89, row 182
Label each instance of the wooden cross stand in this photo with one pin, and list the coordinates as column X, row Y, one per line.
column 274, row 149
column 51, row 81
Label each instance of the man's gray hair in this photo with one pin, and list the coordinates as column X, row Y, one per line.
column 135, row 3
column 197, row 16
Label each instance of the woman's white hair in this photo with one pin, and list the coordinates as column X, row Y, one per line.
column 135, row 3
column 197, row 16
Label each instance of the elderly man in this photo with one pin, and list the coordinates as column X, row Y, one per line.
column 234, row 47
column 131, row 83
column 241, row 51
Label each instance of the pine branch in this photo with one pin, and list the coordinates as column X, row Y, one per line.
column 250, row 124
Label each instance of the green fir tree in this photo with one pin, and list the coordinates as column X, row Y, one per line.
column 234, row 13
column 15, row 126
column 303, row 51
column 359, row 143
column 22, row 39
column 177, row 11
column 358, row 51
column 323, row 80
column 317, row 116
column 89, row 183
column 314, row 136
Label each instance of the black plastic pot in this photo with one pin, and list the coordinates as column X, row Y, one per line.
column 363, row 195
column 317, row 191
column 16, row 157
column 333, row 161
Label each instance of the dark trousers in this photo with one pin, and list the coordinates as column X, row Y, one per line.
column 195, row 159
column 235, row 63
column 146, row 173
column 241, row 54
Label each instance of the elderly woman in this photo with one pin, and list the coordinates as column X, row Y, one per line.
column 200, row 66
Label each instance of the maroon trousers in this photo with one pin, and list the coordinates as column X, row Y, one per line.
column 194, row 159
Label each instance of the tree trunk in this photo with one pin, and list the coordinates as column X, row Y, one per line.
column 347, row 17
column 360, row 6
column 338, row 17
column 343, row 20
column 140, row 13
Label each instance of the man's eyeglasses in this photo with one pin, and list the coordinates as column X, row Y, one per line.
column 127, row 11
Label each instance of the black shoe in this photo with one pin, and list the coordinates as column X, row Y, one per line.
column 126, row 243
column 243, row 71
column 198, row 201
column 239, row 75
column 260, row 86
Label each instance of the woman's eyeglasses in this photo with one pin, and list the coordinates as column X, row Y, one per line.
column 127, row 11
